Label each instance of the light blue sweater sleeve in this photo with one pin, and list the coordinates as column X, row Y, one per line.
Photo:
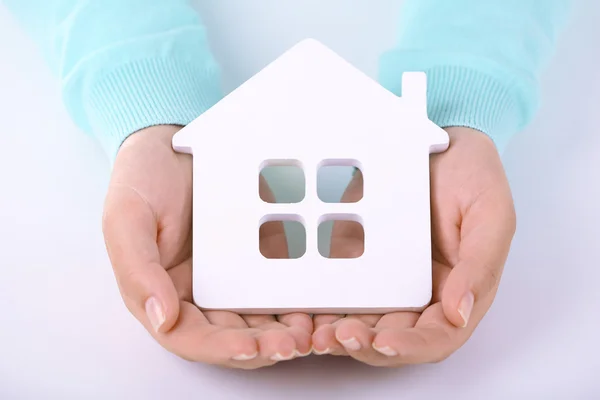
column 127, row 64
column 124, row 65
column 483, row 59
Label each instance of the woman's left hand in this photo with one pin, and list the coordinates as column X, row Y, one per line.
column 473, row 223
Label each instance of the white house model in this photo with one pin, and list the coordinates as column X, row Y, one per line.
column 312, row 108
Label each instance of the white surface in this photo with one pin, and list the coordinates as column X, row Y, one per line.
column 311, row 107
column 65, row 334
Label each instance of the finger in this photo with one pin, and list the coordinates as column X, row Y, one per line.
column 325, row 342
column 486, row 234
column 277, row 346
column 348, row 237
column 432, row 339
column 226, row 319
column 323, row 338
column 272, row 241
column 194, row 338
column 300, row 320
column 258, row 321
column 347, row 240
column 398, row 320
column 130, row 232
column 278, row 342
column 356, row 334
column 326, row 319
column 256, row 324
column 181, row 276
column 439, row 274
column 301, row 328
column 357, row 337
column 326, row 337
column 370, row 320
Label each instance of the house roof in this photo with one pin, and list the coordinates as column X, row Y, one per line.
column 309, row 95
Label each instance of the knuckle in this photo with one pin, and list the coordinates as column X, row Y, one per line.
column 491, row 278
column 129, row 280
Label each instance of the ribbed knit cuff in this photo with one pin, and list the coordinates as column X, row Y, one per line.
column 145, row 93
column 465, row 92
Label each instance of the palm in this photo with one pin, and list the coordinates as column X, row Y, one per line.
column 348, row 239
column 461, row 178
column 157, row 183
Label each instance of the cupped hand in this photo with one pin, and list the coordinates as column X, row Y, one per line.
column 147, row 230
column 473, row 223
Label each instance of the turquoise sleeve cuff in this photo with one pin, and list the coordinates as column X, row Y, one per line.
column 124, row 65
column 145, row 93
column 470, row 92
column 483, row 59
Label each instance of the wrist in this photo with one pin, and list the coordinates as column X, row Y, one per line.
column 466, row 91
column 150, row 139
column 469, row 143
column 143, row 93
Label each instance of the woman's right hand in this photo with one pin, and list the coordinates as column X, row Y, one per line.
column 147, row 230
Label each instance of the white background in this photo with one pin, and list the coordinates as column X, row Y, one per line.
column 65, row 334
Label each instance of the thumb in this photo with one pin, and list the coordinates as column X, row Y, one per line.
column 130, row 233
column 486, row 234
column 467, row 282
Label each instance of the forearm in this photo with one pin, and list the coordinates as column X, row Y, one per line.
column 483, row 59
column 124, row 65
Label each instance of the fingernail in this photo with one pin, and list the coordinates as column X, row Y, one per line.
column 386, row 351
column 351, row 344
column 298, row 354
column 465, row 307
column 245, row 357
column 280, row 357
column 155, row 313
column 322, row 352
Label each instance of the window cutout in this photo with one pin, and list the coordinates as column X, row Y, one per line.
column 286, row 176
column 273, row 244
column 346, row 236
column 333, row 176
